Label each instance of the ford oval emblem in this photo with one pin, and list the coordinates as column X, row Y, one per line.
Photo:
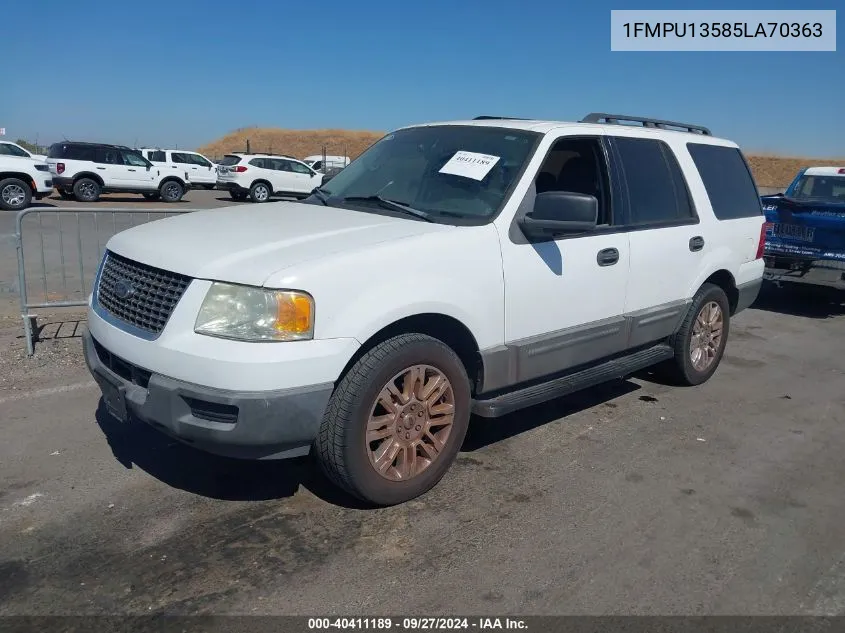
column 123, row 289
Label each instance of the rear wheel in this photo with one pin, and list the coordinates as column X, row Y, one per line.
column 701, row 339
column 396, row 420
column 260, row 192
column 86, row 190
column 15, row 194
column 171, row 191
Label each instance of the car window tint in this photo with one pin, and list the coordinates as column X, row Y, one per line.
column 657, row 191
column 727, row 179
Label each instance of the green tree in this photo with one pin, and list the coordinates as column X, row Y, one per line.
column 30, row 147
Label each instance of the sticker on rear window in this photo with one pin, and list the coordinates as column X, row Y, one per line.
column 470, row 165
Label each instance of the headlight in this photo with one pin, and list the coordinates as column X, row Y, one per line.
column 247, row 313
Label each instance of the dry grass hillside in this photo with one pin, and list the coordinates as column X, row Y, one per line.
column 769, row 171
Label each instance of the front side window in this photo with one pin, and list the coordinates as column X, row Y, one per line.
column 107, row 156
column 657, row 191
column 196, row 159
column 463, row 172
column 13, row 150
column 134, row 159
column 299, row 168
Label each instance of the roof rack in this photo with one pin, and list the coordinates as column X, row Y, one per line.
column 614, row 119
column 484, row 117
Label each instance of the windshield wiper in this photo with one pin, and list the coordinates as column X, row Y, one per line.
column 391, row 204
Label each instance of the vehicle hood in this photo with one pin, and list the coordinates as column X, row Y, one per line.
column 248, row 243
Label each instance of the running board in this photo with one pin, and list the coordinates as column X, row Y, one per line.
column 535, row 394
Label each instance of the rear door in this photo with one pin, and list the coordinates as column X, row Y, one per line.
column 809, row 220
column 667, row 240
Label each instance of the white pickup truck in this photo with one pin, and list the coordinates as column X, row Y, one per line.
column 478, row 266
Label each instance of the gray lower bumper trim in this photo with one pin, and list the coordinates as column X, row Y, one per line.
column 747, row 294
column 262, row 425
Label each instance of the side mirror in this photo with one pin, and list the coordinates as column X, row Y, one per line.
column 560, row 212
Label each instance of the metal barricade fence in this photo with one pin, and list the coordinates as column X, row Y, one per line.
column 67, row 246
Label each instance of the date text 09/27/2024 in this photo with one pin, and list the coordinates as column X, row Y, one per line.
column 723, row 29
column 417, row 623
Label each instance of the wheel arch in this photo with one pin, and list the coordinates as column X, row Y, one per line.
column 22, row 176
column 171, row 178
column 263, row 181
column 726, row 281
column 88, row 174
column 441, row 326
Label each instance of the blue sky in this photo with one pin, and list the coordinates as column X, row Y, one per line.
column 186, row 72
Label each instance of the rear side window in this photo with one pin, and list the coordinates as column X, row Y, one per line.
column 156, row 157
column 727, row 180
column 69, row 151
column 260, row 162
column 230, row 159
column 179, row 157
column 657, row 191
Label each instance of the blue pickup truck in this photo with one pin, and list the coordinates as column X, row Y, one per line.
column 805, row 235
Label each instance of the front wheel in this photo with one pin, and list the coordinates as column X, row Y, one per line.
column 171, row 191
column 700, row 341
column 396, row 420
column 15, row 194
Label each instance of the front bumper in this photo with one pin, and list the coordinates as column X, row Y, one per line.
column 241, row 424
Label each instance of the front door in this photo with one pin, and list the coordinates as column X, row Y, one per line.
column 565, row 298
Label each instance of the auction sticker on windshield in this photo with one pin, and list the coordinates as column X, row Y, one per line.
column 470, row 165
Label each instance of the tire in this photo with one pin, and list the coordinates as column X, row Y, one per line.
column 86, row 190
column 341, row 447
column 65, row 195
column 260, row 192
column 15, row 194
column 151, row 196
column 684, row 369
column 171, row 191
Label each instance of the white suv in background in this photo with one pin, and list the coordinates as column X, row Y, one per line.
column 465, row 267
column 7, row 148
column 21, row 180
column 201, row 171
column 86, row 170
column 261, row 176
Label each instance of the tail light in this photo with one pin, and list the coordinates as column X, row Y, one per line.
column 761, row 245
column 240, row 169
column 60, row 168
column 842, row 170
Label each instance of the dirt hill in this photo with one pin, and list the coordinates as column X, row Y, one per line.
column 769, row 171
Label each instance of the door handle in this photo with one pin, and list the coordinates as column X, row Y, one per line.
column 607, row 257
column 103, row 168
column 131, row 170
column 696, row 243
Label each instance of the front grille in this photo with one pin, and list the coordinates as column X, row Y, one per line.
column 138, row 294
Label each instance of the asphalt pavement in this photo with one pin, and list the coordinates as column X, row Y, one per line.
column 632, row 498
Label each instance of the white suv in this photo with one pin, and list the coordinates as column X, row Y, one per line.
column 86, row 170
column 21, row 180
column 261, row 176
column 201, row 171
column 476, row 266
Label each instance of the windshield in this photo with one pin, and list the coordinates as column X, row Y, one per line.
column 820, row 189
column 230, row 159
column 462, row 172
